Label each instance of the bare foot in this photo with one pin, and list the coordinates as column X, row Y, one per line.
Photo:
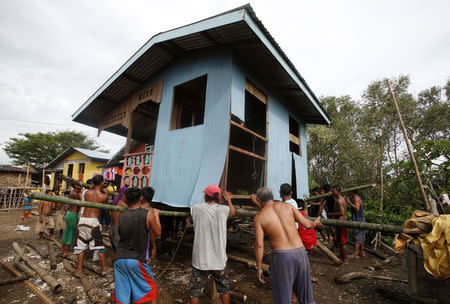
column 77, row 274
column 346, row 261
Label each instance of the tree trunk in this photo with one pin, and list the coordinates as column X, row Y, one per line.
column 29, row 284
column 55, row 286
column 329, row 253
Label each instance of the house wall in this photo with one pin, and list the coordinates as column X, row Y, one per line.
column 90, row 168
column 279, row 158
column 187, row 160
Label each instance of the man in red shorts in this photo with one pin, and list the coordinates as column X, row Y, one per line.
column 340, row 206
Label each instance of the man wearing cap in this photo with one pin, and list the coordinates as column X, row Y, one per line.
column 209, row 256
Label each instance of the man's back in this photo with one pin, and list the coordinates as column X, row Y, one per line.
column 210, row 225
column 94, row 196
column 133, row 232
column 278, row 222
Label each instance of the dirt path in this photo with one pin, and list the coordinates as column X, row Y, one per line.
column 174, row 284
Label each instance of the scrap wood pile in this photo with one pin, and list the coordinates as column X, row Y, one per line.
column 37, row 265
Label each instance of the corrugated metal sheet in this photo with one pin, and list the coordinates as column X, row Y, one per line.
column 239, row 35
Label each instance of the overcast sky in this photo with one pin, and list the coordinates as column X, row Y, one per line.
column 55, row 54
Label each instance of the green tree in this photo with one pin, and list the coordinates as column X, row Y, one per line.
column 37, row 148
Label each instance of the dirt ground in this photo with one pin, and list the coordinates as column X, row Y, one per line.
column 173, row 285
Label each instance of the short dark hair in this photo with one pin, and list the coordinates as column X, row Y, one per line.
column 337, row 187
column 148, row 193
column 264, row 194
column 133, row 195
column 214, row 198
column 326, row 187
column 353, row 191
column 48, row 191
column 89, row 181
column 285, row 189
column 97, row 180
column 315, row 189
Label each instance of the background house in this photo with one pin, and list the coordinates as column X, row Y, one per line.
column 80, row 164
column 220, row 103
column 15, row 176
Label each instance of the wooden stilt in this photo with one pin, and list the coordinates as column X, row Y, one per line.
column 329, row 253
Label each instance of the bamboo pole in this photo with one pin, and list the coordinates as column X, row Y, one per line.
column 55, row 285
column 411, row 152
column 88, row 288
column 29, row 284
column 51, row 255
column 239, row 212
column 311, row 198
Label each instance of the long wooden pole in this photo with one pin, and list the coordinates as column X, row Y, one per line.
column 311, row 198
column 239, row 212
column 82, row 184
column 411, row 153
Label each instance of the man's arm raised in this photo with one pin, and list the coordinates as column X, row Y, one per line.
column 259, row 247
column 299, row 218
column 227, row 197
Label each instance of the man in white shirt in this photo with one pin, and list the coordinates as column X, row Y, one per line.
column 209, row 256
column 286, row 193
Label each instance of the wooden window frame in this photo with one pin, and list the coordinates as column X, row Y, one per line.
column 294, row 139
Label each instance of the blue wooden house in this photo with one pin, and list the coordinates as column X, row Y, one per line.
column 216, row 101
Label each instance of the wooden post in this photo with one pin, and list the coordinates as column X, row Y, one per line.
column 129, row 133
column 18, row 181
column 43, row 177
column 380, row 214
column 411, row 153
column 28, row 172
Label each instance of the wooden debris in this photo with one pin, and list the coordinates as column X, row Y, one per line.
column 25, row 269
column 50, row 280
column 14, row 280
column 91, row 291
column 380, row 265
column 329, row 253
column 238, row 296
column 361, row 275
column 42, row 252
column 86, row 264
column 29, row 284
column 53, row 239
column 51, row 255
column 250, row 264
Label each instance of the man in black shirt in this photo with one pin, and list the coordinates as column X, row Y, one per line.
column 134, row 281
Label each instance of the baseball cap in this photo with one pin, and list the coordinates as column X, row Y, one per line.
column 211, row 190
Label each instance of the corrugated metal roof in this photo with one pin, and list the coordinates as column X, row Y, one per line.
column 92, row 154
column 239, row 28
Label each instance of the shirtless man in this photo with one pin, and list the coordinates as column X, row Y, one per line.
column 289, row 266
column 89, row 228
column 71, row 220
column 46, row 220
column 147, row 197
column 114, row 231
column 340, row 206
column 59, row 216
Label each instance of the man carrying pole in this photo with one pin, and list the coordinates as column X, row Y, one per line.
column 289, row 266
column 89, row 228
column 71, row 220
column 134, row 281
column 209, row 256
column 340, row 208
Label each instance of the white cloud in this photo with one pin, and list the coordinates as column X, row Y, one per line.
column 55, row 54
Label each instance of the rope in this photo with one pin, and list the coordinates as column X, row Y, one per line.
column 174, row 254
